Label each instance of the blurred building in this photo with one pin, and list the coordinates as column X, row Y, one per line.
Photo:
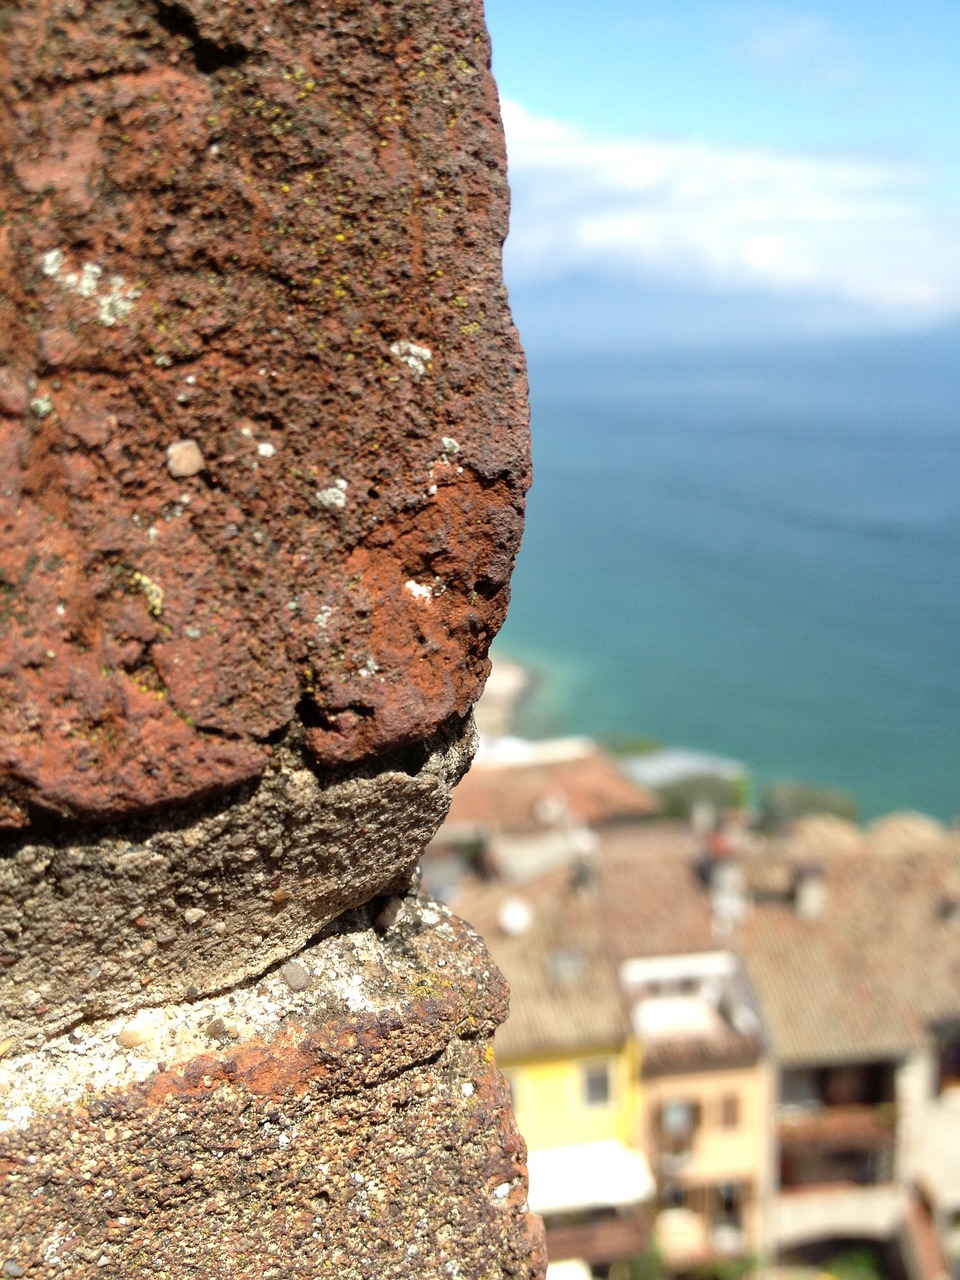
column 728, row 1046
column 635, row 1053
column 526, row 807
column 853, row 945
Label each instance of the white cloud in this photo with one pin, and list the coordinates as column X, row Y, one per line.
column 864, row 231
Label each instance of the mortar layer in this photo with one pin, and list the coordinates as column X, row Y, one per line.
column 164, row 910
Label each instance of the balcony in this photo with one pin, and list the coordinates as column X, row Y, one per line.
column 600, row 1238
column 805, row 1214
column 857, row 1126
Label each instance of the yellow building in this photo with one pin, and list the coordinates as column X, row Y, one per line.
column 571, row 1060
column 708, row 1089
column 634, row 1055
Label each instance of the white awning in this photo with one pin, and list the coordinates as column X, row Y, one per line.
column 569, row 1269
column 593, row 1175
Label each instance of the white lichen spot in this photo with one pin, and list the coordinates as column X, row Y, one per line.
column 17, row 1117
column 432, row 491
column 467, row 1089
column 335, row 495
column 153, row 533
column 323, row 617
column 151, row 590
column 412, row 354
column 449, row 444
column 502, row 1191
column 42, row 406
column 60, row 610
column 163, row 361
column 265, row 449
column 89, row 280
column 352, row 994
column 417, row 591
column 190, row 380
column 368, row 669
column 114, row 307
column 51, row 1248
column 51, row 262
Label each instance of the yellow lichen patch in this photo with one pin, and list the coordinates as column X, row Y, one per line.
column 151, row 590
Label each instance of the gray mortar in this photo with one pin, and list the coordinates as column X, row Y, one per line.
column 357, row 969
column 98, row 925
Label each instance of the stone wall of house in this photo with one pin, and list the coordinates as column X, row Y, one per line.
column 263, row 456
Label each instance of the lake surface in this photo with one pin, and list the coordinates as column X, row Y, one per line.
column 754, row 552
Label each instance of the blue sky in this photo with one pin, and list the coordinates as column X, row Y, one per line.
column 808, row 155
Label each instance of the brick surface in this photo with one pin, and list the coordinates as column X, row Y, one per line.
column 262, row 407
column 356, row 1126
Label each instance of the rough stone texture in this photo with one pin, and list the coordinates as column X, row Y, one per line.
column 357, row 1128
column 262, row 463
column 272, row 228
column 150, row 911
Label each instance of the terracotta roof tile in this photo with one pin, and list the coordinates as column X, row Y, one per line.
column 521, row 799
column 869, row 978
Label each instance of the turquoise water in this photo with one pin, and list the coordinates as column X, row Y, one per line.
column 753, row 552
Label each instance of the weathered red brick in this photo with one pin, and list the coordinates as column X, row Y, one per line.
column 245, row 226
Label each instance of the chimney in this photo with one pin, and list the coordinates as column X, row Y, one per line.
column 515, row 917
column 583, row 874
column 728, row 897
column 809, row 892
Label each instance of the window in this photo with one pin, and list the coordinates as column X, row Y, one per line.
column 679, row 1119
column 673, row 1196
column 729, row 1111
column 595, row 1078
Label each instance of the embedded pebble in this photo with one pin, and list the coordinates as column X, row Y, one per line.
column 193, row 915
column 296, row 975
column 11, row 1268
column 137, row 1032
column 390, row 913
column 184, row 459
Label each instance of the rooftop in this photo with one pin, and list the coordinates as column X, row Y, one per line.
column 523, row 788
column 861, row 973
column 879, row 966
